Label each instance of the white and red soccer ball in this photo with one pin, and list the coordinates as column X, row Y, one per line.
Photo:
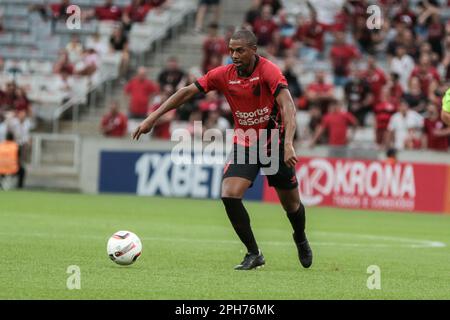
column 124, row 247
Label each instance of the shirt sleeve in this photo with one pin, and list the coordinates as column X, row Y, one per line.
column 325, row 122
column 274, row 79
column 351, row 119
column 210, row 81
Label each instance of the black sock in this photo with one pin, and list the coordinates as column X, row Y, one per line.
column 297, row 220
column 241, row 222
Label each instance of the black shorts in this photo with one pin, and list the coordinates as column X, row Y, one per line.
column 283, row 178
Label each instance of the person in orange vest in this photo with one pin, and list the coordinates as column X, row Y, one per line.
column 9, row 159
column 391, row 156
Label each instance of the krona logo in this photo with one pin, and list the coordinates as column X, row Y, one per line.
column 319, row 178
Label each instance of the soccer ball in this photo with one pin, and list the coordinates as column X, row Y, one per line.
column 124, row 247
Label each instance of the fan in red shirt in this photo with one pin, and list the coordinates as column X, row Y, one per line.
column 162, row 126
column 114, row 123
column 311, row 33
column 336, row 122
column 342, row 54
column 140, row 90
column 426, row 73
column 213, row 46
column 257, row 93
column 319, row 92
column 384, row 110
column 137, row 10
column 59, row 10
column 264, row 27
column 437, row 133
column 108, row 11
column 375, row 77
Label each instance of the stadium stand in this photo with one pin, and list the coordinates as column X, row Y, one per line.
column 32, row 40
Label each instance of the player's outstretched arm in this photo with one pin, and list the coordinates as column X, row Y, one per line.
column 177, row 99
column 288, row 110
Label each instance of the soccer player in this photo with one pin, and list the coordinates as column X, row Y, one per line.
column 258, row 96
column 445, row 114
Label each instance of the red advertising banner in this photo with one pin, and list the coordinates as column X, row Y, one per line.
column 362, row 184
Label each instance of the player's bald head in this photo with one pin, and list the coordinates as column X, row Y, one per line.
column 246, row 36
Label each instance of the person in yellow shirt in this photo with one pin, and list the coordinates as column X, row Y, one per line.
column 445, row 114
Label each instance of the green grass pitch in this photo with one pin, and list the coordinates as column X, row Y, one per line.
column 189, row 250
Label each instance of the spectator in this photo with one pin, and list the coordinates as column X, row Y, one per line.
column 319, row 92
column 96, row 43
column 404, row 128
column 384, row 109
column 276, row 5
column 436, row 132
column 327, row 11
column 74, row 49
column 292, row 78
column 264, row 27
column 59, row 10
column 395, row 88
column 171, row 74
column 185, row 110
column 427, row 9
column 358, row 96
column 405, row 15
column 391, row 156
column 114, row 123
column 437, row 92
column 202, row 10
column 10, row 159
column 108, row 11
column 446, row 59
column 436, row 33
column 375, row 77
column 403, row 65
column 161, row 130
column 315, row 119
column 311, row 37
column 415, row 98
column 253, row 13
column 426, row 73
column 342, row 55
column 136, row 11
column 88, row 64
column 63, row 63
column 336, row 122
column 119, row 43
column 21, row 102
column 141, row 91
column 21, row 127
column 214, row 45
column 9, row 96
column 210, row 103
column 362, row 35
